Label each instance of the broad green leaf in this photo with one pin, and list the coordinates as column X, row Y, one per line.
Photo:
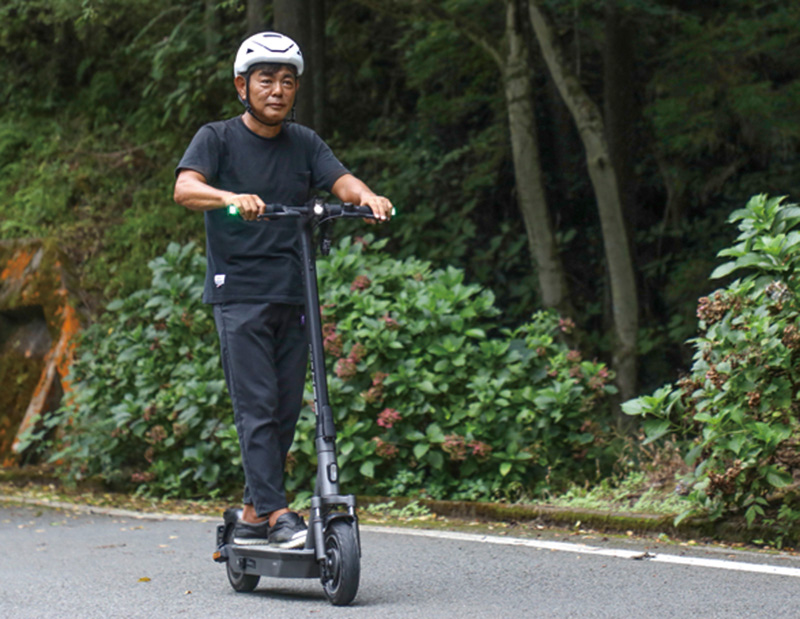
column 723, row 270
column 434, row 433
column 367, row 469
column 655, row 429
column 635, row 407
column 426, row 386
column 778, row 478
column 435, row 459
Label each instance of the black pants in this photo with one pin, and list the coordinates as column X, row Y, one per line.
column 264, row 351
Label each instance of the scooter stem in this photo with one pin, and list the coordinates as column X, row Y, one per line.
column 325, row 439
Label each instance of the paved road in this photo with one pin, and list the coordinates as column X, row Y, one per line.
column 63, row 564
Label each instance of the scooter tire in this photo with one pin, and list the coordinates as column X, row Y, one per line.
column 241, row 582
column 342, row 570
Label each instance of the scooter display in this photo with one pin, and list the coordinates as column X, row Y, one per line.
column 332, row 551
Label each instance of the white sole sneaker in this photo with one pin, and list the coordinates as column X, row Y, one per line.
column 298, row 541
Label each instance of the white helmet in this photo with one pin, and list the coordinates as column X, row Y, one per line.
column 267, row 47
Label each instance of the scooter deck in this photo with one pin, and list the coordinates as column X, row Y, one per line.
column 270, row 561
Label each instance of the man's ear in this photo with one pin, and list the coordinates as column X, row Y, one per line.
column 241, row 85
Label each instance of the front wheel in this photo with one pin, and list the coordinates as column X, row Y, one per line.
column 342, row 569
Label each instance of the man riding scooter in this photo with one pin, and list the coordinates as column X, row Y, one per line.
column 253, row 277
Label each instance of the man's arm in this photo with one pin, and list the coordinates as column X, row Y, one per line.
column 193, row 191
column 349, row 189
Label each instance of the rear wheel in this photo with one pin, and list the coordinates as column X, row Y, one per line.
column 241, row 582
column 342, row 570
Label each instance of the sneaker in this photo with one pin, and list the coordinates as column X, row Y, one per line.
column 247, row 534
column 289, row 531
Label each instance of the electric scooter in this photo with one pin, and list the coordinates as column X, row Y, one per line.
column 332, row 551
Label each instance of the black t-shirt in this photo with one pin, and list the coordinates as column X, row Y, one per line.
column 252, row 261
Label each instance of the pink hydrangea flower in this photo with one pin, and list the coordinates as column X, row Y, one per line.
column 388, row 417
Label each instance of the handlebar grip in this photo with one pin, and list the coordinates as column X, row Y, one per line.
column 269, row 209
column 272, row 211
column 363, row 211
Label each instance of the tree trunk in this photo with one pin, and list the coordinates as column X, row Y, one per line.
column 255, row 16
column 591, row 128
column 527, row 167
column 293, row 18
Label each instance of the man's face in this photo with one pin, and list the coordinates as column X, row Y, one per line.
column 271, row 94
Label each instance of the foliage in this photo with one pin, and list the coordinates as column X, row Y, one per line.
column 35, row 196
column 678, row 259
column 100, row 98
column 148, row 402
column 723, row 100
column 632, row 493
column 102, row 197
column 438, row 146
column 739, row 403
column 410, row 511
column 84, row 154
column 429, row 401
column 426, row 400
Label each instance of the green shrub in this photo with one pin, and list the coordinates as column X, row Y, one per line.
column 738, row 405
column 427, row 398
column 148, row 402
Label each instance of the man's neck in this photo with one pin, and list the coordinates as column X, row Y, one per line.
column 259, row 128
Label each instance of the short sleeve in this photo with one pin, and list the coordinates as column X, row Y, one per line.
column 203, row 154
column 326, row 169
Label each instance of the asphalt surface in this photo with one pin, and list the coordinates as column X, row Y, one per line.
column 58, row 563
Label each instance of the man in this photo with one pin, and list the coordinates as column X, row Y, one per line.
column 253, row 276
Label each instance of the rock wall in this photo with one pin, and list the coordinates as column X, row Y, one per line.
column 39, row 324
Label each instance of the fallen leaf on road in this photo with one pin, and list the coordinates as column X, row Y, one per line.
column 144, row 579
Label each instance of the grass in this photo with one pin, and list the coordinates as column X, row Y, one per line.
column 633, row 493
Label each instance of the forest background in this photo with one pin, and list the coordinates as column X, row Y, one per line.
column 575, row 155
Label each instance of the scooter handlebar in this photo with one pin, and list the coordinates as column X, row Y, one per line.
column 321, row 210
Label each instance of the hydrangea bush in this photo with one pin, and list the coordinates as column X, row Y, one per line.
column 739, row 404
column 430, row 398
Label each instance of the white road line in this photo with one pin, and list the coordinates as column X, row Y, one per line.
column 616, row 553
column 454, row 535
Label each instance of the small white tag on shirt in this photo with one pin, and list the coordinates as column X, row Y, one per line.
column 219, row 280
